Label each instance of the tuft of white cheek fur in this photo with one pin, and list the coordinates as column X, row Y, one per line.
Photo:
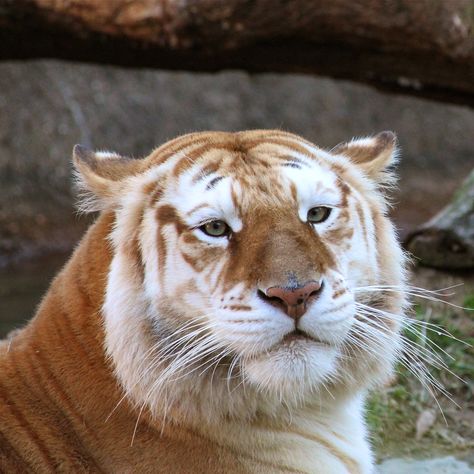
column 149, row 231
column 126, row 314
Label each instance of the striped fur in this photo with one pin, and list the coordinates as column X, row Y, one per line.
column 154, row 351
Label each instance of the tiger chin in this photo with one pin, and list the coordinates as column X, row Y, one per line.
column 211, row 318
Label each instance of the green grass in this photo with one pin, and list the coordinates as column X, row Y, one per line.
column 392, row 412
column 469, row 303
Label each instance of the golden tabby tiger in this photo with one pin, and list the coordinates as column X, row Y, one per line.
column 209, row 320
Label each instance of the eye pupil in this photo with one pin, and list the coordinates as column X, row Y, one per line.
column 215, row 228
column 318, row 214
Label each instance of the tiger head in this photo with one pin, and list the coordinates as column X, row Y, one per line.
column 243, row 267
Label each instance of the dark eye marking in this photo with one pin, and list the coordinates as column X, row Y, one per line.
column 292, row 164
column 213, row 182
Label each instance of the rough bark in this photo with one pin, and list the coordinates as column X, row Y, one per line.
column 420, row 47
column 447, row 240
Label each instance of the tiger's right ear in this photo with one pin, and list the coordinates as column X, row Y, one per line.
column 374, row 155
column 100, row 177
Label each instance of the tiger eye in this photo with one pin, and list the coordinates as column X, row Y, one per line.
column 318, row 214
column 215, row 228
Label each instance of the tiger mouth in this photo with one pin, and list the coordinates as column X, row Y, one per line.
column 293, row 340
column 298, row 335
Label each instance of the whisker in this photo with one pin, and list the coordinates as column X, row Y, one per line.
column 403, row 319
column 136, row 424
column 412, row 355
column 430, row 295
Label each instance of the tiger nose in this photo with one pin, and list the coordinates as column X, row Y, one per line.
column 294, row 299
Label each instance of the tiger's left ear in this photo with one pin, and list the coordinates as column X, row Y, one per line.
column 100, row 177
column 373, row 154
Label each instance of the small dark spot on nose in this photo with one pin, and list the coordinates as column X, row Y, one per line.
column 293, row 300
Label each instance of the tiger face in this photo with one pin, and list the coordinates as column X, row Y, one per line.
column 240, row 260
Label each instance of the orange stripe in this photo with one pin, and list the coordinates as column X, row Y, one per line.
column 173, row 147
column 23, row 424
column 190, row 158
column 350, row 463
column 290, row 145
column 77, row 450
column 71, row 334
column 59, row 390
column 10, row 459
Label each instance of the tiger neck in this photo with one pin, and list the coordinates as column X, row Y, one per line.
column 63, row 344
column 317, row 439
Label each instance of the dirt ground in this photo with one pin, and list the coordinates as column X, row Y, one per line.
column 406, row 419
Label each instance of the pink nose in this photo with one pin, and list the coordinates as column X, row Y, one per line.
column 294, row 300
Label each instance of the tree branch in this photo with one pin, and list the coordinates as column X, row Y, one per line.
column 447, row 240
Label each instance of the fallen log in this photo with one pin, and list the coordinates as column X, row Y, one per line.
column 421, row 47
column 447, row 240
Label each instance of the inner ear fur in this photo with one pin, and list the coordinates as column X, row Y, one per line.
column 373, row 154
column 100, row 176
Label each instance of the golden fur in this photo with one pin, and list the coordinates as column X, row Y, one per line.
column 151, row 351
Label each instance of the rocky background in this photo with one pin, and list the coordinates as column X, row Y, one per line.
column 46, row 107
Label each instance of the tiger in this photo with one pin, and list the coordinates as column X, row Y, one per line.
column 210, row 319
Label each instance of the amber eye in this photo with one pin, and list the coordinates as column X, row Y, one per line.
column 319, row 214
column 215, row 228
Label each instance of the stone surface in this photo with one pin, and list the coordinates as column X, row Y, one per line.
column 446, row 465
column 46, row 107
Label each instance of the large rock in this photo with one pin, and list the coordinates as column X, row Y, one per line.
column 446, row 465
column 47, row 107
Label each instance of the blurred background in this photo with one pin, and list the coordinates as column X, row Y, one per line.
column 47, row 106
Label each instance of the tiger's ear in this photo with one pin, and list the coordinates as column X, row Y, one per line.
column 374, row 155
column 100, row 177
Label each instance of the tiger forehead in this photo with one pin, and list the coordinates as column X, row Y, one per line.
column 244, row 164
column 228, row 175
column 247, row 163
column 284, row 181
column 230, row 152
